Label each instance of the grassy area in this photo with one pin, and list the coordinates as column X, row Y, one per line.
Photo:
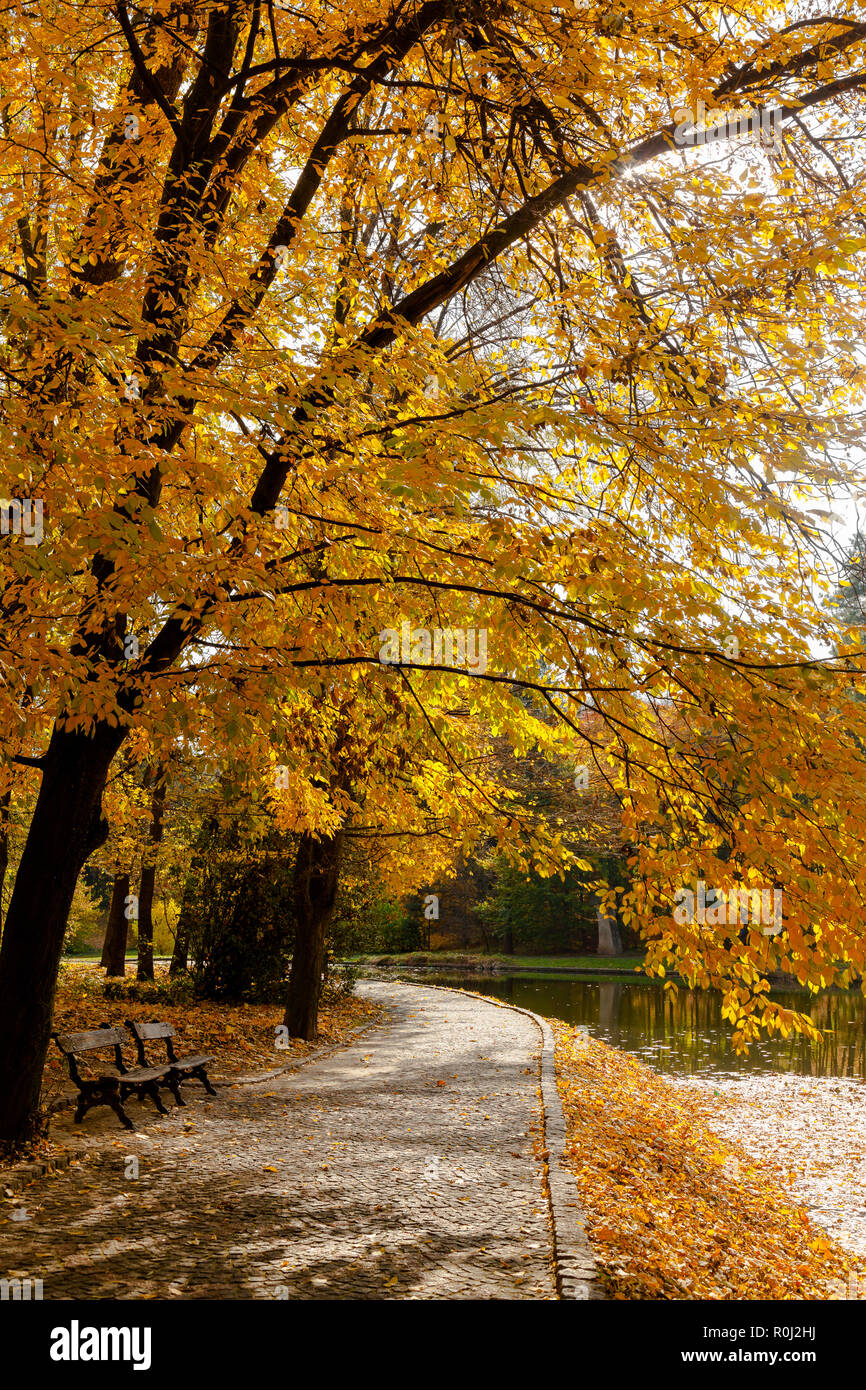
column 87, row 957
column 449, row 960
column 594, row 962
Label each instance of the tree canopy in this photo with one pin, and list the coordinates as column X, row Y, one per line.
column 318, row 320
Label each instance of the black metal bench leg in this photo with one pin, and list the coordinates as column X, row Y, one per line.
column 174, row 1083
column 153, row 1092
column 81, row 1108
column 142, row 1090
column 114, row 1102
column 202, row 1076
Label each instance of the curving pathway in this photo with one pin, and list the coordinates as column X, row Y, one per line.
column 401, row 1167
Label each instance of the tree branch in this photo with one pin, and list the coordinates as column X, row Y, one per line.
column 146, row 75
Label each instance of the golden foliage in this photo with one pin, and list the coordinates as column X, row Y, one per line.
column 373, row 314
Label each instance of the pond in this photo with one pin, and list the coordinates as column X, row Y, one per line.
column 686, row 1033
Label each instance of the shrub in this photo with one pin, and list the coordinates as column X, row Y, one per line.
column 240, row 923
column 339, row 984
column 168, row 990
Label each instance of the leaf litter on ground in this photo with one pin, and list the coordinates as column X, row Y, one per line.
column 240, row 1036
column 674, row 1209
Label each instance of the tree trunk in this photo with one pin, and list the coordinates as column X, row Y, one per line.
column 609, row 939
column 66, row 828
column 114, row 949
column 180, row 954
column 144, row 970
column 109, row 919
column 317, row 872
column 148, row 877
column 5, row 802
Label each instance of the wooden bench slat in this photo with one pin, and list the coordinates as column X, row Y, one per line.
column 144, row 1073
column 92, row 1038
column 194, row 1060
column 147, row 1031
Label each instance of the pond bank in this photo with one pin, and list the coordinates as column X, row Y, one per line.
column 500, row 965
column 679, row 1203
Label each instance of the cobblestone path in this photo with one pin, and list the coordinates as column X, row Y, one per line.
column 401, row 1167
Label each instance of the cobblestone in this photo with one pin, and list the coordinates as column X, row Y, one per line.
column 401, row 1167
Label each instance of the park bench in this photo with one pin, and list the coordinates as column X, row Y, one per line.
column 178, row 1068
column 110, row 1088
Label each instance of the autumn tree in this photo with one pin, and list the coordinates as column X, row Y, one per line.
column 248, row 257
column 370, row 766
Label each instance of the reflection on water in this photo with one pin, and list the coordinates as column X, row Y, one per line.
column 685, row 1033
